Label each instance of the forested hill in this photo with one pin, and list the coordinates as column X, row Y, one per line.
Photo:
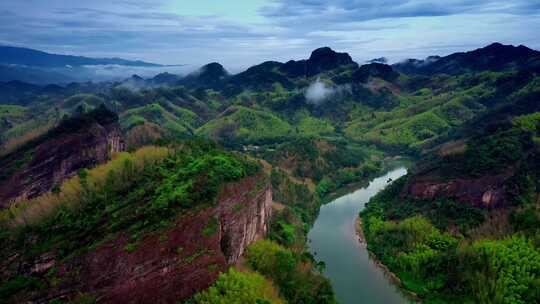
column 464, row 224
column 494, row 57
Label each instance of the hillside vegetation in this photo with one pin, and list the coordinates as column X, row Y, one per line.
column 446, row 249
column 135, row 194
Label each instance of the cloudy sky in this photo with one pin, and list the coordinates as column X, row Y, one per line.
column 239, row 33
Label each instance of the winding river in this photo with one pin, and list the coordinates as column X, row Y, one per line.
column 354, row 276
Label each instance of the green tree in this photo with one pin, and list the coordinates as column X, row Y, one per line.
column 236, row 287
column 506, row 271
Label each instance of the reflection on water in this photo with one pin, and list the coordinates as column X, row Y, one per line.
column 355, row 278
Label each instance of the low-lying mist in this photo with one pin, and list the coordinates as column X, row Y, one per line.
column 319, row 92
column 94, row 73
column 118, row 72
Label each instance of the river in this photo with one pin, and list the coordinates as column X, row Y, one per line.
column 333, row 240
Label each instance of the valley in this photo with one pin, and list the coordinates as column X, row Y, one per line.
column 217, row 187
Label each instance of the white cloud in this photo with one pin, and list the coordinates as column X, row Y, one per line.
column 147, row 30
column 319, row 92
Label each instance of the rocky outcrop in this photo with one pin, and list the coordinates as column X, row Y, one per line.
column 325, row 59
column 165, row 266
column 489, row 191
column 321, row 60
column 244, row 212
column 37, row 169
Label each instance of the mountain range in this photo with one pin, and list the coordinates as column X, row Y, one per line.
column 150, row 188
column 24, row 64
column 38, row 67
column 10, row 55
column 495, row 57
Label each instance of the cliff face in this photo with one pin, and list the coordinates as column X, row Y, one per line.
column 244, row 211
column 489, row 191
column 165, row 266
column 54, row 160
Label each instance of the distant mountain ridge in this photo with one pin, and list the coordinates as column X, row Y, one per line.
column 214, row 75
column 494, row 57
column 38, row 67
column 10, row 55
column 42, row 68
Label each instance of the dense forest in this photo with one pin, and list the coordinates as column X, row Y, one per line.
column 446, row 249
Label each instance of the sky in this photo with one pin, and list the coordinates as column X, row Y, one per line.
column 240, row 33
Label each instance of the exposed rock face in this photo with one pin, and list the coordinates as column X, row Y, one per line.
column 58, row 158
column 243, row 219
column 163, row 267
column 325, row 59
column 487, row 191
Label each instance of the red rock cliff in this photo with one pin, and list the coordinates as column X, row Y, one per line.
column 56, row 159
column 163, row 267
column 486, row 191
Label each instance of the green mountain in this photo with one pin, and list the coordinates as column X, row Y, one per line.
column 245, row 125
column 463, row 225
column 494, row 57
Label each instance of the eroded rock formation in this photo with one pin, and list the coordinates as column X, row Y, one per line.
column 56, row 159
column 488, row 191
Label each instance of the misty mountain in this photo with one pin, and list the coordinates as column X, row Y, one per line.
column 261, row 76
column 383, row 60
column 22, row 93
column 165, row 78
column 494, row 57
column 42, row 68
column 210, row 75
column 29, row 57
column 342, row 69
column 32, row 75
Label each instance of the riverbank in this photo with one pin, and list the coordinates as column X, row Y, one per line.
column 389, row 164
column 387, row 272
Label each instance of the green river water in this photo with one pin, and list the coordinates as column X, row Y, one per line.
column 333, row 240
